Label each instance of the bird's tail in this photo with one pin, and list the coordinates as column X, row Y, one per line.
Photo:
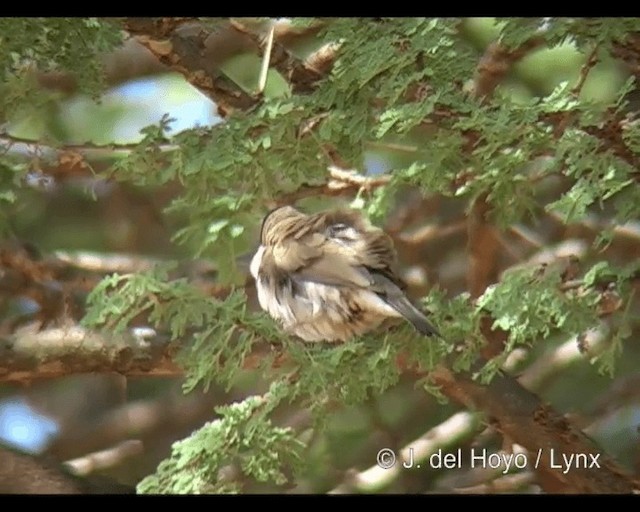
column 395, row 297
column 403, row 306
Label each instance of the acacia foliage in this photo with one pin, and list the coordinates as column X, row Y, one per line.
column 393, row 81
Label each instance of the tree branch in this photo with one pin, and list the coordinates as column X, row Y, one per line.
column 302, row 75
column 139, row 419
column 520, row 415
column 496, row 62
column 24, row 473
column 68, row 160
column 30, row 354
column 339, row 182
column 181, row 45
column 196, row 50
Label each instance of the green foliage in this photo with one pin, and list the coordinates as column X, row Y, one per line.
column 394, row 80
column 228, row 171
column 348, row 373
column 56, row 44
column 243, row 437
column 539, row 308
column 221, row 331
column 531, row 305
column 584, row 32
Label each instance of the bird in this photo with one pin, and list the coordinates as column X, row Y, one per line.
column 329, row 276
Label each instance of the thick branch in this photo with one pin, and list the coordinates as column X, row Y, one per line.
column 196, row 50
column 181, row 44
column 105, row 459
column 483, row 246
column 29, row 354
column 521, row 416
column 496, row 63
column 483, row 240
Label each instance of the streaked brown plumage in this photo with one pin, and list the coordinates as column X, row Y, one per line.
column 329, row 276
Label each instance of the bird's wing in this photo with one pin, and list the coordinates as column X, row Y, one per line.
column 318, row 259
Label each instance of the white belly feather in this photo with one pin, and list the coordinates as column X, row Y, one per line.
column 318, row 312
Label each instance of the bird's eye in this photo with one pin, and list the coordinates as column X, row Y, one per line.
column 342, row 231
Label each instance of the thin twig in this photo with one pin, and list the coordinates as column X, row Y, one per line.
column 391, row 146
column 106, row 263
column 346, row 178
column 68, row 160
column 591, row 61
column 340, row 182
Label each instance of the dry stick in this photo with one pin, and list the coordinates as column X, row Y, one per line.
column 339, row 182
column 264, row 71
column 345, row 178
column 107, row 263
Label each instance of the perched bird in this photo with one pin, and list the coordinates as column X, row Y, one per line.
column 329, row 276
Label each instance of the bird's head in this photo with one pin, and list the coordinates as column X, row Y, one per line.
column 281, row 223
